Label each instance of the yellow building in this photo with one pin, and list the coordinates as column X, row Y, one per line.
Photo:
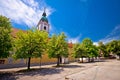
column 43, row 24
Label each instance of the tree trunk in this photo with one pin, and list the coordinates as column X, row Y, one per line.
column 88, row 59
column 82, row 59
column 98, row 58
column 40, row 62
column 58, row 62
column 92, row 59
column 29, row 59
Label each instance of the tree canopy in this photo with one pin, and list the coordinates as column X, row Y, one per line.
column 90, row 49
column 102, row 49
column 58, row 47
column 5, row 36
column 78, row 51
column 114, row 47
column 30, row 44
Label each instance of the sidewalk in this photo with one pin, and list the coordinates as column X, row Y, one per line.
column 108, row 70
column 22, row 66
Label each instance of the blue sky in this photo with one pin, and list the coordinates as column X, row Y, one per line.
column 95, row 19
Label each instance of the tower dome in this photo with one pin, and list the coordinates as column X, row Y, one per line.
column 44, row 19
column 43, row 23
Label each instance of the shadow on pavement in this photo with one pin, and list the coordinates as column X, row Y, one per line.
column 72, row 66
column 31, row 72
column 41, row 71
column 7, row 76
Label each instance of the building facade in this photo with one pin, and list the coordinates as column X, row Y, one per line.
column 43, row 25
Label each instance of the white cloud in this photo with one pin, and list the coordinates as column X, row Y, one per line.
column 23, row 11
column 95, row 43
column 31, row 3
column 75, row 39
column 114, row 35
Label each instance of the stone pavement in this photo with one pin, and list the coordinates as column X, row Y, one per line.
column 107, row 70
column 101, row 71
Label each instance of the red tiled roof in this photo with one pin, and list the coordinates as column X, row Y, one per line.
column 15, row 30
column 70, row 45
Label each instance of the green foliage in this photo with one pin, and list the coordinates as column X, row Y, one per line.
column 90, row 49
column 58, row 46
column 87, row 42
column 5, row 23
column 102, row 49
column 93, row 51
column 30, row 44
column 118, row 52
column 5, row 37
column 79, row 51
column 113, row 46
column 85, row 49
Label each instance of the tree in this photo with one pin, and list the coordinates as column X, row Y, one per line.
column 5, row 36
column 114, row 47
column 30, row 44
column 58, row 47
column 90, row 49
column 102, row 49
column 93, row 52
column 118, row 52
column 79, row 51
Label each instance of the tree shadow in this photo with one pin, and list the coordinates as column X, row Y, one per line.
column 72, row 66
column 31, row 72
column 69, row 66
column 41, row 71
column 101, row 61
column 7, row 76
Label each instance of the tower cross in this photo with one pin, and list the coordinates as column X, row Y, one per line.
column 44, row 9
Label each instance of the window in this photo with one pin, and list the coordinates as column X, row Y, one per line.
column 44, row 27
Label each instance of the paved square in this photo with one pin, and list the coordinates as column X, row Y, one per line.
column 107, row 70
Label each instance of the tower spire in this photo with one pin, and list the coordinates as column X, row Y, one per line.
column 44, row 13
column 44, row 9
column 43, row 22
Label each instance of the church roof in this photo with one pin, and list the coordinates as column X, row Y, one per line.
column 15, row 31
column 44, row 18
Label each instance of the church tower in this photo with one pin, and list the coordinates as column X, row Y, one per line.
column 43, row 24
